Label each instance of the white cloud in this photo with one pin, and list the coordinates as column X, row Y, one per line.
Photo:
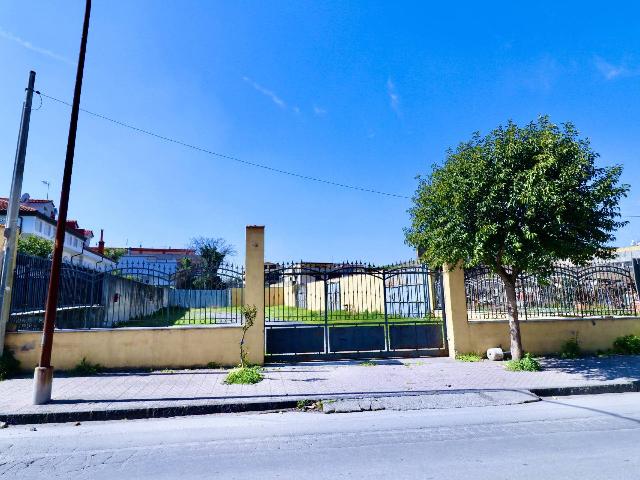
column 394, row 98
column 609, row 70
column 319, row 111
column 29, row 46
column 268, row 93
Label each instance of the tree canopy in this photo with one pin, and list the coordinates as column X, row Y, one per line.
column 201, row 270
column 518, row 200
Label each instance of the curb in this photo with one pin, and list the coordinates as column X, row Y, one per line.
column 624, row 387
column 264, row 406
column 144, row 413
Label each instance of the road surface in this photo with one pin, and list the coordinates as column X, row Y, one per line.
column 586, row 437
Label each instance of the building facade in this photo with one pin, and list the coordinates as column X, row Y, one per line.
column 38, row 218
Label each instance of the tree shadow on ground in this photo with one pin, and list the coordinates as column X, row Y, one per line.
column 615, row 367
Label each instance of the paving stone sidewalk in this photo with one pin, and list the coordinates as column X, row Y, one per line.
column 165, row 393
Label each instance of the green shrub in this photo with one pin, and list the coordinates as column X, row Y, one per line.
column 9, row 365
column 36, row 246
column 627, row 345
column 85, row 367
column 525, row 364
column 244, row 375
column 468, row 357
column 571, row 349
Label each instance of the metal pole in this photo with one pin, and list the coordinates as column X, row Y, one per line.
column 13, row 211
column 43, row 375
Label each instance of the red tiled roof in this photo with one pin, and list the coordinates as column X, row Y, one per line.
column 4, row 205
column 38, row 200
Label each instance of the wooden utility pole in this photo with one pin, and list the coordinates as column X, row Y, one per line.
column 13, row 212
column 43, row 375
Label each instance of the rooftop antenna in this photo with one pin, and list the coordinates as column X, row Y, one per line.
column 48, row 184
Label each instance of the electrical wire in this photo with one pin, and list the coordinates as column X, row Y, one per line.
column 227, row 157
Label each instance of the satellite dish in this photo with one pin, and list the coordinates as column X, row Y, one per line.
column 24, row 198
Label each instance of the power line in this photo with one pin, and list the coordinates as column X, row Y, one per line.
column 227, row 157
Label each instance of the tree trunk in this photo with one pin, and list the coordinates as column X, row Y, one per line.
column 512, row 315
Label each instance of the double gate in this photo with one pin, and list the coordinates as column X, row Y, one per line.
column 325, row 311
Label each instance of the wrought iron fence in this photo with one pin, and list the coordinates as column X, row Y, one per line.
column 596, row 290
column 79, row 297
column 129, row 295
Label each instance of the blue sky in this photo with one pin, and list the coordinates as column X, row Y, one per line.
column 360, row 92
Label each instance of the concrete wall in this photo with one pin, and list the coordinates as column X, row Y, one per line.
column 171, row 347
column 315, row 295
column 544, row 336
column 359, row 293
column 274, row 295
column 200, row 298
column 547, row 336
column 125, row 299
column 289, row 295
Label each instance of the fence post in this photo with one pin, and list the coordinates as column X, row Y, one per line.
column 455, row 304
column 254, row 291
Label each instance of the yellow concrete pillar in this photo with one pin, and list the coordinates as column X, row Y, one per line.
column 458, row 331
column 254, row 291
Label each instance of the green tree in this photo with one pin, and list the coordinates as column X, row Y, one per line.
column 517, row 200
column 201, row 270
column 114, row 253
column 36, row 246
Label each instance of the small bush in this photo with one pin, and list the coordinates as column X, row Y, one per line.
column 627, row 345
column 525, row 364
column 468, row 357
column 244, row 376
column 571, row 349
column 9, row 365
column 85, row 367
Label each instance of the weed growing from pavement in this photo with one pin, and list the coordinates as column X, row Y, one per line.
column 85, row 367
column 468, row 357
column 244, row 375
column 525, row 364
column 368, row 363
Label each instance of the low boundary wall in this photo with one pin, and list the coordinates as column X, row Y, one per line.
column 543, row 336
column 163, row 347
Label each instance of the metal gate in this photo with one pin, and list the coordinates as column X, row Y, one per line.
column 325, row 311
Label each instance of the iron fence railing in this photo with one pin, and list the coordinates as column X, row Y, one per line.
column 596, row 290
column 131, row 294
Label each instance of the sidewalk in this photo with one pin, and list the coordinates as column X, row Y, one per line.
column 167, row 393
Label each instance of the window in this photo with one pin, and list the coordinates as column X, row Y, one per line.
column 75, row 242
column 38, row 226
column 47, row 230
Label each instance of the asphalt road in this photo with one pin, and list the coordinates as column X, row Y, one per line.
column 587, row 437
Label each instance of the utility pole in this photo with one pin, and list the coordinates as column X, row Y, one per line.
column 13, row 211
column 43, row 374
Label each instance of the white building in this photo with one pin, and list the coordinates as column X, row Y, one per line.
column 38, row 218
